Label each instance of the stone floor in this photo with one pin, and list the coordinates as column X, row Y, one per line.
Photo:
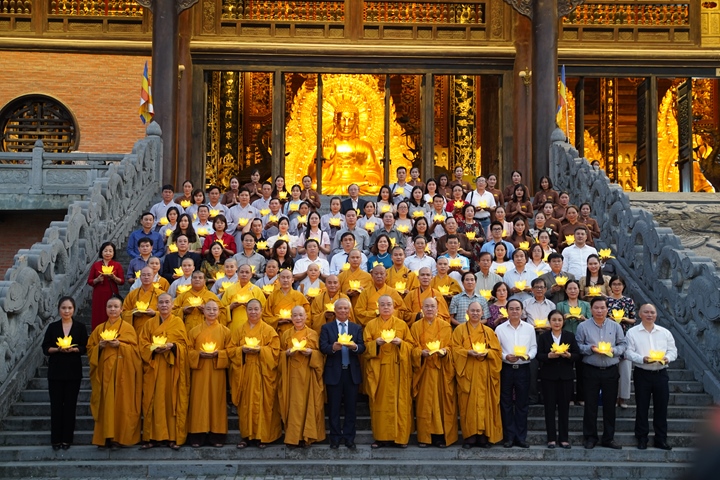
column 222, row 477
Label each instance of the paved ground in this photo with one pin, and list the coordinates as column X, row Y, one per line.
column 223, row 477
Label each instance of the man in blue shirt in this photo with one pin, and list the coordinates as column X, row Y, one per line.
column 146, row 220
column 496, row 230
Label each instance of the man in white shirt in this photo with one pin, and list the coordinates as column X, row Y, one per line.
column 312, row 248
column 650, row 376
column 517, row 340
column 419, row 259
column 400, row 190
column 520, row 274
column 159, row 210
column 575, row 256
column 486, row 279
column 264, row 202
column 347, row 242
column 483, row 201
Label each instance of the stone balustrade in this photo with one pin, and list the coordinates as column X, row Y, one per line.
column 60, row 263
column 683, row 286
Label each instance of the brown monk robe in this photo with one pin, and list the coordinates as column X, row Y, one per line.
column 280, row 303
column 237, row 296
column 366, row 308
column 319, row 314
column 388, row 375
column 116, row 381
column 478, row 380
column 192, row 314
column 166, row 378
column 434, row 379
column 254, row 379
column 301, row 391
column 355, row 274
column 146, row 293
column 415, row 298
column 442, row 279
column 207, row 413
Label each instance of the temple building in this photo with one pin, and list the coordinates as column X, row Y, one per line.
column 349, row 90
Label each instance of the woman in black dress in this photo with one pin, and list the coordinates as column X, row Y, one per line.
column 64, row 372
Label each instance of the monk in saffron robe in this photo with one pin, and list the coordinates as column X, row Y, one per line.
column 388, row 373
column 166, row 377
column 399, row 274
column 280, row 303
column 254, row 378
column 322, row 307
column 208, row 359
column 301, row 391
column 434, row 378
column 116, row 380
column 366, row 308
column 442, row 279
column 354, row 274
column 478, row 380
column 238, row 295
column 190, row 305
column 147, row 294
column 415, row 298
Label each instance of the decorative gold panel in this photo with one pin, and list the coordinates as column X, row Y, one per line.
column 463, row 120
column 710, row 23
column 416, row 12
column 284, row 10
column 659, row 13
column 20, row 7
column 96, row 8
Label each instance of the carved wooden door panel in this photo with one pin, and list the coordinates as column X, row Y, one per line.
column 685, row 122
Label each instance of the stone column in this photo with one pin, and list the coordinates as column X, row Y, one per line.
column 522, row 111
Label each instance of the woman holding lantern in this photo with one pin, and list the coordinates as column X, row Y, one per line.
column 105, row 276
column 64, row 344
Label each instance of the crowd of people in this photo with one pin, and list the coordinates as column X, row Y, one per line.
column 436, row 301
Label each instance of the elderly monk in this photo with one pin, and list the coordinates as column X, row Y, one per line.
column 147, row 294
column 166, row 377
column 433, row 378
column 281, row 302
column 191, row 304
column 208, row 359
column 415, row 298
column 366, row 308
column 400, row 277
column 322, row 308
column 301, row 391
column 116, row 380
column 254, row 380
column 238, row 295
column 477, row 372
column 356, row 274
column 442, row 279
column 388, row 374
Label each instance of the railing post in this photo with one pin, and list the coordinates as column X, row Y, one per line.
column 36, row 174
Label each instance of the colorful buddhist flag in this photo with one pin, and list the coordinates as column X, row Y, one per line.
column 146, row 106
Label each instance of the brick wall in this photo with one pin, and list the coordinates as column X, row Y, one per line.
column 21, row 229
column 102, row 91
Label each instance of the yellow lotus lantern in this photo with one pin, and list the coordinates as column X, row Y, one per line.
column 195, row 301
column 433, row 346
column 313, row 292
column 158, row 342
column 178, row 271
column 65, row 342
column 225, row 285
column 521, row 284
column 400, row 191
column 470, row 235
column 168, row 233
column 164, row 221
column 294, row 207
column 268, row 289
column 285, row 313
column 354, row 285
column 183, row 288
column 243, row 221
column 273, row 218
column 444, row 289
column 302, row 219
column 392, row 242
column 242, row 299
column 524, row 246
column 345, row 339
column 657, row 356
column 438, row 218
column 456, row 262
column 185, row 203
column 500, row 270
column 561, row 280
column 330, row 307
column 546, row 257
column 605, row 348
column 109, row 335
column 202, row 231
column 504, row 233
column 480, row 348
column 252, row 342
column 594, row 291
column 334, row 222
column 458, row 204
column 298, row 345
column 385, row 208
column 375, row 264
column 403, row 228
column 618, row 315
column 400, row 286
column 264, row 211
column 194, row 216
column 172, row 248
column 219, row 275
column 575, row 311
column 156, row 284
column 520, row 351
column 541, row 322
column 605, row 254
column 388, row 335
column 503, row 312
column 370, row 226
column 107, row 269
column 214, row 212
column 418, row 214
column 345, row 267
column 142, row 306
column 261, row 245
column 486, row 294
column 539, row 273
column 208, row 347
column 252, row 268
column 282, row 195
column 559, row 348
column 137, row 273
column 569, row 239
column 222, row 244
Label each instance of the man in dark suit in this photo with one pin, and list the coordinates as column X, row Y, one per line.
column 354, row 202
column 342, row 372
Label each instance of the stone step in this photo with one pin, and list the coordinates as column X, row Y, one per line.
column 341, row 467
column 363, row 437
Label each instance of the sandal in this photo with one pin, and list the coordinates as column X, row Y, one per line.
column 261, row 445
column 147, row 446
column 242, row 445
column 377, row 445
column 401, row 445
column 218, row 445
column 195, row 445
column 551, row 445
column 174, row 446
column 423, row 445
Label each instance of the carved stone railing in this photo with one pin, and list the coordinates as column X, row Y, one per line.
column 684, row 287
column 59, row 264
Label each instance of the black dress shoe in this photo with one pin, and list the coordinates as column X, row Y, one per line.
column 65, row 446
column 351, row 446
column 611, row 444
column 522, row 444
column 642, row 444
column 56, row 446
column 662, row 446
column 485, row 444
column 589, row 444
column 467, row 446
column 508, row 444
column 334, row 445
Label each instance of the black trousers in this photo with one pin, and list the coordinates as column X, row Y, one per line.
column 344, row 393
column 579, row 383
column 595, row 380
column 514, row 413
column 557, row 393
column 63, row 404
column 651, row 383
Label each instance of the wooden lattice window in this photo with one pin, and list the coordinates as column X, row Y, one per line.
column 37, row 117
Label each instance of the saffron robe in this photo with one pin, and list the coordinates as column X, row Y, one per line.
column 207, row 410
column 301, row 391
column 434, row 383
column 278, row 301
column 166, row 381
column 478, row 382
column 139, row 295
column 388, row 381
column 403, row 274
column 116, row 381
column 196, row 317
column 363, row 277
column 254, row 382
column 367, row 304
column 415, row 298
column 236, row 318
column 446, row 281
column 318, row 309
